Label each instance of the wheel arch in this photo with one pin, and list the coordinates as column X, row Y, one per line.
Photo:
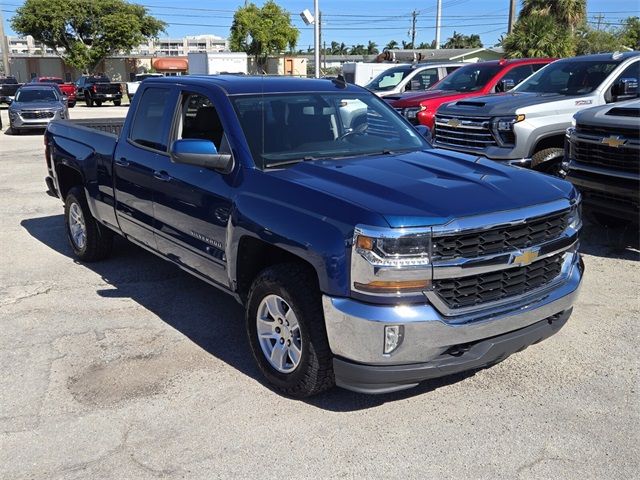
column 554, row 140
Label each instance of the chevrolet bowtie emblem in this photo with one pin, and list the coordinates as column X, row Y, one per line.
column 526, row 257
column 453, row 122
column 614, row 141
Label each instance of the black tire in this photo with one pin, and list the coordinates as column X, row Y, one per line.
column 117, row 103
column 88, row 100
column 549, row 161
column 71, row 105
column 299, row 288
column 99, row 239
column 608, row 221
column 98, row 103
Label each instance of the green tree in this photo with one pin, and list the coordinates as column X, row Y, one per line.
column 591, row 40
column 262, row 31
column 630, row 33
column 458, row 40
column 358, row 50
column 391, row 45
column 407, row 45
column 84, row 32
column 425, row 45
column 570, row 13
column 539, row 36
column 372, row 48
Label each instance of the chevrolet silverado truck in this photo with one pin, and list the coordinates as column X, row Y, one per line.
column 364, row 257
column 68, row 89
column 470, row 81
column 527, row 126
column 97, row 89
column 603, row 155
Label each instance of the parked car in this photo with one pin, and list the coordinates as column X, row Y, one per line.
column 132, row 87
column 410, row 77
column 364, row 258
column 8, row 88
column 35, row 105
column 97, row 89
column 470, row 81
column 68, row 89
column 527, row 125
column 603, row 155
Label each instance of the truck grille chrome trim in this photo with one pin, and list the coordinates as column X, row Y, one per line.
column 468, row 132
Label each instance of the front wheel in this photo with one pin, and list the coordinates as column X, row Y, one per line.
column 89, row 240
column 549, row 161
column 285, row 324
column 98, row 103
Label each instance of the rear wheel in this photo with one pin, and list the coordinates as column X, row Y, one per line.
column 549, row 161
column 89, row 240
column 285, row 324
column 98, row 103
column 88, row 100
column 71, row 105
column 117, row 103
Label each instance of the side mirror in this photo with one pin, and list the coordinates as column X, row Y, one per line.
column 625, row 87
column 65, row 98
column 9, row 101
column 506, row 84
column 425, row 132
column 201, row 153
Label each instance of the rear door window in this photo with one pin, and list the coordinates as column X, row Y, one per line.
column 148, row 123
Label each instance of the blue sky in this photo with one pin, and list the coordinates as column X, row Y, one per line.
column 357, row 21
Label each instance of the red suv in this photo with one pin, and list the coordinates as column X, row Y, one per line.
column 68, row 89
column 471, row 80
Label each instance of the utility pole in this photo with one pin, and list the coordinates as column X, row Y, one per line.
column 599, row 18
column 438, row 15
column 316, row 37
column 414, row 16
column 512, row 15
column 5, row 47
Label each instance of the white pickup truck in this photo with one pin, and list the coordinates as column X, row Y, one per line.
column 132, row 87
column 527, row 125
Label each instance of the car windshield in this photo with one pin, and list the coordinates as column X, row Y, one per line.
column 36, row 95
column 469, row 78
column 289, row 128
column 389, row 79
column 574, row 77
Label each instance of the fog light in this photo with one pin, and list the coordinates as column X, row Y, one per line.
column 393, row 335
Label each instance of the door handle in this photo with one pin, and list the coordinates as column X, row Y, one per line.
column 122, row 162
column 162, row 176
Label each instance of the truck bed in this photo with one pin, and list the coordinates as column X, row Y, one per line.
column 112, row 126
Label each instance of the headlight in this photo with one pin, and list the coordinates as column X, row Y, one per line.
column 505, row 124
column 412, row 112
column 573, row 122
column 391, row 262
column 575, row 215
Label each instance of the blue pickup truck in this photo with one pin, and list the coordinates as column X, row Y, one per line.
column 364, row 257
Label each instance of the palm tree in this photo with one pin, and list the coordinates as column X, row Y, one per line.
column 538, row 36
column 372, row 48
column 571, row 13
column 407, row 45
column 457, row 40
column 424, row 46
column 358, row 50
column 391, row 45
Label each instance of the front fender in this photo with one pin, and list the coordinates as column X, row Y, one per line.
column 322, row 242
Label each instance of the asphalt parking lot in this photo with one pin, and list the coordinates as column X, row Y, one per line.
column 130, row 368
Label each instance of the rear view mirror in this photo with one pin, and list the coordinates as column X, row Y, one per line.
column 201, row 153
column 505, row 84
column 625, row 88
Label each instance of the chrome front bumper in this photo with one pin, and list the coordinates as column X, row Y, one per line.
column 356, row 330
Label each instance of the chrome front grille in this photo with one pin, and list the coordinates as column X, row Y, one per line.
column 534, row 231
column 476, row 290
column 591, row 148
column 465, row 132
column 36, row 115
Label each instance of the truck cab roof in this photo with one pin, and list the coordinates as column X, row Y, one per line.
column 259, row 84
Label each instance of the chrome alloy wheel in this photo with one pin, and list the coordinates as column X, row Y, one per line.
column 279, row 333
column 77, row 227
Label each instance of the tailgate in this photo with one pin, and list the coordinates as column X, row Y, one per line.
column 107, row 88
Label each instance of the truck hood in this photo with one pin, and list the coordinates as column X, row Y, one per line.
column 428, row 187
column 621, row 114
column 414, row 99
column 507, row 104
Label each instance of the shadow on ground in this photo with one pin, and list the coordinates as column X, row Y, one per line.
column 621, row 243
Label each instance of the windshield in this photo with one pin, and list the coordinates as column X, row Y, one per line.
column 574, row 77
column 469, row 78
column 143, row 76
column 36, row 95
column 389, row 79
column 288, row 128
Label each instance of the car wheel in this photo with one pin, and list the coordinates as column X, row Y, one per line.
column 98, row 103
column 549, row 161
column 285, row 325
column 117, row 103
column 71, row 105
column 88, row 101
column 89, row 240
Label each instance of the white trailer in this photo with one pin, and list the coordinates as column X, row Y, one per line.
column 362, row 73
column 216, row 63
